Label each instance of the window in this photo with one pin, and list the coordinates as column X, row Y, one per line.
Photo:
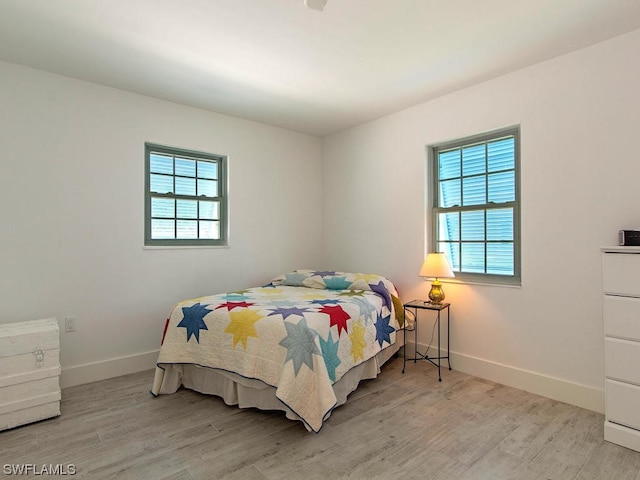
column 476, row 205
column 185, row 197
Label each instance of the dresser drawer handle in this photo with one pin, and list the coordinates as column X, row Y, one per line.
column 39, row 355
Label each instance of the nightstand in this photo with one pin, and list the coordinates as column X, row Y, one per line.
column 416, row 305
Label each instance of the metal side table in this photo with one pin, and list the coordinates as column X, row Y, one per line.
column 416, row 305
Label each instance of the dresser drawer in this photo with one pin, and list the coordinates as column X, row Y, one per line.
column 622, row 360
column 621, row 273
column 622, row 317
column 622, row 402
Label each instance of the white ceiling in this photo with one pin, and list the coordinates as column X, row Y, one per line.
column 278, row 62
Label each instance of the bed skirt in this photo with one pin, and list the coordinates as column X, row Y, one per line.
column 250, row 393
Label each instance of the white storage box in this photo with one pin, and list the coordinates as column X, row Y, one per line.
column 29, row 372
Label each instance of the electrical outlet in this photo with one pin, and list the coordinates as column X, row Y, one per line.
column 69, row 324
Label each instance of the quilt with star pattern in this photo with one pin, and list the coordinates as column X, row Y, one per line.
column 299, row 334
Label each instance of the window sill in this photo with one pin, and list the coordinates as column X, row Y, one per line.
column 485, row 284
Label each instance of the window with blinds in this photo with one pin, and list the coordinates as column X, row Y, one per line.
column 185, row 201
column 476, row 206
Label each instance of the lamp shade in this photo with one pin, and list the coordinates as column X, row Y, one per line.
column 315, row 4
column 436, row 265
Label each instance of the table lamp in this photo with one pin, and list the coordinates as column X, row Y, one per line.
column 436, row 266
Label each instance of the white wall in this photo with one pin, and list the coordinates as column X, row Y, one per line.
column 72, row 210
column 580, row 121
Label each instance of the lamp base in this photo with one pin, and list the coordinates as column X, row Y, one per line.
column 436, row 294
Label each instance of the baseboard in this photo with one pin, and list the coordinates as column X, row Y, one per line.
column 551, row 387
column 114, row 367
column 620, row 435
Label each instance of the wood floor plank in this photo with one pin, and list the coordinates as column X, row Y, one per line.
column 407, row 426
column 605, row 463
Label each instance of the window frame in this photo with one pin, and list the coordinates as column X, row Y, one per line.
column 434, row 208
column 222, row 198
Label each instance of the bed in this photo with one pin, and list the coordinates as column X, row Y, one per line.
column 299, row 344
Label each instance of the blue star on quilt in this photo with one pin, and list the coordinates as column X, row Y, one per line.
column 381, row 290
column 236, row 296
column 365, row 306
column 337, row 283
column 384, row 330
column 294, row 279
column 193, row 320
column 300, row 344
column 282, row 303
column 330, row 355
column 325, row 273
column 285, row 312
column 326, row 301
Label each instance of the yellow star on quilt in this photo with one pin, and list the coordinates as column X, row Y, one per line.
column 191, row 301
column 314, row 295
column 241, row 325
column 270, row 291
column 357, row 341
column 367, row 277
column 351, row 293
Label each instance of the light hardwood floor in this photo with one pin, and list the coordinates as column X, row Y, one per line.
column 395, row 427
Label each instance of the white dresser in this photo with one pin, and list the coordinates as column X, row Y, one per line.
column 621, row 285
